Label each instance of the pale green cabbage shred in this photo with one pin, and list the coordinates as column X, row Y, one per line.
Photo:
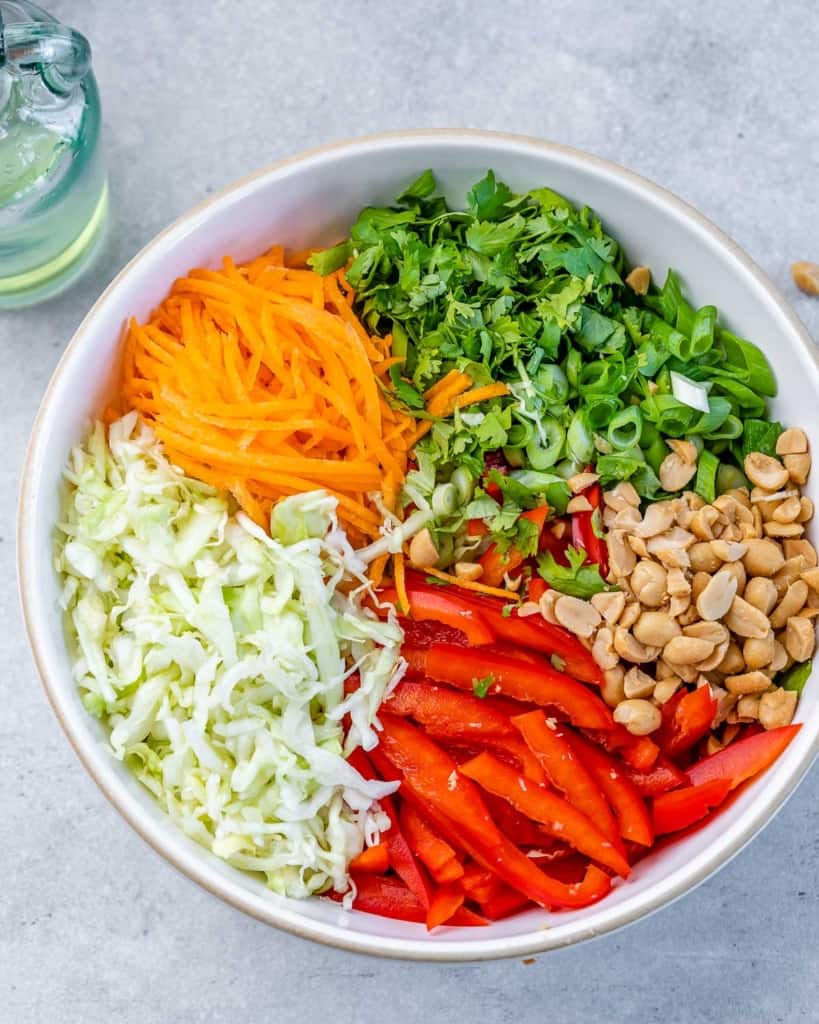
column 215, row 655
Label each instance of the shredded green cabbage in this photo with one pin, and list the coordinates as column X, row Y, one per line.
column 216, row 656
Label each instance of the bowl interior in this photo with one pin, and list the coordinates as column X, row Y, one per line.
column 312, row 200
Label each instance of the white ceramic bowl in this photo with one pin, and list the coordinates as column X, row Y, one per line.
column 312, row 199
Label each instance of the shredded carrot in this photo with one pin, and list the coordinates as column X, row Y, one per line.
column 400, row 583
column 261, row 380
column 479, row 588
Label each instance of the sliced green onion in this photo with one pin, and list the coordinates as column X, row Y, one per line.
column 544, row 456
column 552, row 383
column 515, row 457
column 600, row 409
column 574, row 363
column 729, row 478
column 464, row 483
column 689, row 392
column 445, row 500
column 579, row 442
column 702, row 332
column 706, row 482
column 745, row 355
column 626, row 427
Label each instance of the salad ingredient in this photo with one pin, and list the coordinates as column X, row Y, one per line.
column 536, row 683
column 556, row 816
column 215, row 655
column 682, row 807
column 744, row 758
column 806, row 276
column 530, row 291
column 261, row 380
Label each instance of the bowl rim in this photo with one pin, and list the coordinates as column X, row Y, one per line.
column 192, row 863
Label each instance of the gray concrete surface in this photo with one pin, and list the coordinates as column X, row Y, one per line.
column 717, row 101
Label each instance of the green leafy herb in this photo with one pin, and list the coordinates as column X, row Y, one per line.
column 480, row 687
column 577, row 579
column 761, row 436
column 507, row 610
column 796, row 676
column 330, row 260
column 435, row 581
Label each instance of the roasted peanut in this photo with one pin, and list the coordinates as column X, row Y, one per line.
column 659, row 517
column 805, row 510
column 788, row 511
column 761, row 593
column 759, row 653
column 610, row 604
column 792, row 548
column 621, row 558
column 716, row 597
column 737, row 570
column 702, row 522
column 547, row 606
column 621, row 496
column 638, row 683
column 703, row 557
column 765, row 471
column 638, row 280
column 665, row 688
column 780, row 658
column 747, row 707
column 468, row 570
column 777, row 707
column 687, row 650
column 791, row 603
column 579, row 503
column 811, row 577
column 763, row 558
column 679, row 466
column 603, row 650
column 745, row 620
column 648, row 583
column 580, row 481
column 800, row 638
column 579, row 617
column 422, row 551
column 640, row 717
column 655, row 628
column 792, row 441
column 631, row 649
column 748, row 682
column 774, row 529
column 611, row 687
column 631, row 613
column 732, row 662
column 798, row 466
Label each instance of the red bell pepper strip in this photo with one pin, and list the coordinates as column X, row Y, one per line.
column 476, row 528
column 691, row 719
column 374, row 859
column 536, row 588
column 504, row 903
column 401, row 856
column 478, row 884
column 449, row 712
column 446, row 901
column 431, row 774
column 661, row 778
column 682, row 807
column 389, row 897
column 434, row 853
column 744, row 758
column 584, row 526
column 556, row 815
column 514, row 825
column 629, row 808
column 542, row 685
column 551, row 745
column 497, row 563
column 641, row 752
column 532, row 632
column 443, row 605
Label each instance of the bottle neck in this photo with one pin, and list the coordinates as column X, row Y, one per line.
column 59, row 55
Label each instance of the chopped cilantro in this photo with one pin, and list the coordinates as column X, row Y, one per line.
column 480, row 687
column 577, row 579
